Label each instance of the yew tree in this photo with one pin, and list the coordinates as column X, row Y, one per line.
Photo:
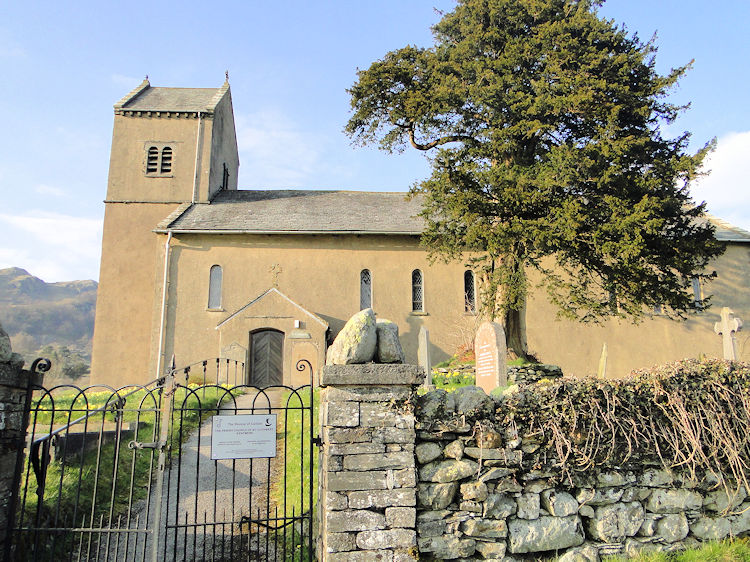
column 544, row 126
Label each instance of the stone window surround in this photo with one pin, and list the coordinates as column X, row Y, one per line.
column 365, row 289
column 470, row 293
column 215, row 283
column 417, row 283
column 159, row 146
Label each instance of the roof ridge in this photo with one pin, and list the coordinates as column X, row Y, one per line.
column 134, row 93
column 220, row 92
column 331, row 190
column 744, row 235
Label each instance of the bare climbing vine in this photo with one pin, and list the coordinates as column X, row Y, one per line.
column 692, row 416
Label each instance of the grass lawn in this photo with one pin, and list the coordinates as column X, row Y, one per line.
column 291, row 482
column 83, row 489
column 737, row 550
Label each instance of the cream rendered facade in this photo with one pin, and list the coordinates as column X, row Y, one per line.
column 291, row 263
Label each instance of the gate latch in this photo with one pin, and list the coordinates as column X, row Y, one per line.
column 140, row 445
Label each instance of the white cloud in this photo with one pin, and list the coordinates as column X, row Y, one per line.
column 726, row 189
column 52, row 246
column 43, row 189
column 275, row 152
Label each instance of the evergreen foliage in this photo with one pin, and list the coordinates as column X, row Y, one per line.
column 544, row 126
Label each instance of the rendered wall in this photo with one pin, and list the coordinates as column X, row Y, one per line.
column 129, row 294
column 319, row 273
column 577, row 347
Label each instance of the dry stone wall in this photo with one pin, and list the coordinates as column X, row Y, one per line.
column 525, row 374
column 433, row 477
column 480, row 498
column 14, row 389
column 367, row 469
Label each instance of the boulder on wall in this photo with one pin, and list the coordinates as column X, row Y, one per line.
column 389, row 346
column 356, row 342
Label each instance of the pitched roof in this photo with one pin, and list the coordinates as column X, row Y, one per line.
column 272, row 293
column 301, row 211
column 727, row 232
column 146, row 98
column 310, row 212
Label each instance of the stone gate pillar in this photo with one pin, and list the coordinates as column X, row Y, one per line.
column 368, row 481
column 15, row 396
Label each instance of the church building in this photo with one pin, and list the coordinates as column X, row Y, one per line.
column 195, row 268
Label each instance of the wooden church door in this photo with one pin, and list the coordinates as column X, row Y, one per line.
column 266, row 358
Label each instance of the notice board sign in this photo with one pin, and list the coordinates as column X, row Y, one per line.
column 243, row 436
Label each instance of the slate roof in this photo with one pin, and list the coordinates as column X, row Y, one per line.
column 172, row 99
column 292, row 211
column 728, row 232
column 310, row 212
column 146, row 98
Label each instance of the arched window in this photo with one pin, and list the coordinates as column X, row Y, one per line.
column 417, row 291
column 365, row 289
column 470, row 300
column 159, row 159
column 166, row 160
column 697, row 294
column 214, row 287
column 152, row 160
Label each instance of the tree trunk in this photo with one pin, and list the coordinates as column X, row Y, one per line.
column 515, row 333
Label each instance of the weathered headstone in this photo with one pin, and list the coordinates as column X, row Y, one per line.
column 727, row 329
column 490, row 352
column 423, row 355
column 601, row 372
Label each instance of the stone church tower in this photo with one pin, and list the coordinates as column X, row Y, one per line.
column 171, row 147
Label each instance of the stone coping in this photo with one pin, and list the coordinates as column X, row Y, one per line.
column 372, row 374
column 13, row 375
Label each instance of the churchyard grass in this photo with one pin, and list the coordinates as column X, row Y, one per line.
column 72, row 485
column 452, row 380
column 737, row 550
column 291, row 470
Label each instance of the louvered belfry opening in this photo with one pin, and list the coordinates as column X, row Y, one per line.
column 417, row 291
column 166, row 160
column 266, row 358
column 152, row 160
column 365, row 289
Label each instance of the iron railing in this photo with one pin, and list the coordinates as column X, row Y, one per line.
column 126, row 474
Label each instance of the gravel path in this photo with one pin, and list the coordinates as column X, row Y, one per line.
column 205, row 504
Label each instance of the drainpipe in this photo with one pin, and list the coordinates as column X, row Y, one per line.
column 164, row 294
column 198, row 141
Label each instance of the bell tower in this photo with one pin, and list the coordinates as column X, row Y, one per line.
column 171, row 148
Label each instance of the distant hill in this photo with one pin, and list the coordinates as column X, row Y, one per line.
column 57, row 318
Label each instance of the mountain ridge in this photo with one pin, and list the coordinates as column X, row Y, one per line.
column 48, row 318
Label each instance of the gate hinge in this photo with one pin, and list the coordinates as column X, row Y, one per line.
column 140, row 445
column 316, row 441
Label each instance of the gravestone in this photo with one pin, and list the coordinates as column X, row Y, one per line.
column 727, row 329
column 601, row 372
column 423, row 355
column 490, row 352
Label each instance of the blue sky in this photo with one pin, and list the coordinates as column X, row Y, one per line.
column 289, row 63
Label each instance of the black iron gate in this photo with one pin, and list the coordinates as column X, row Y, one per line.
column 133, row 474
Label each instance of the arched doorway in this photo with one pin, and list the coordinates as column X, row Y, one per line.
column 266, row 358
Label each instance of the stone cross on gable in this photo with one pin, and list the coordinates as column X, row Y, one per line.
column 727, row 328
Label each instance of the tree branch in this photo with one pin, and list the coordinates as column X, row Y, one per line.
column 438, row 141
